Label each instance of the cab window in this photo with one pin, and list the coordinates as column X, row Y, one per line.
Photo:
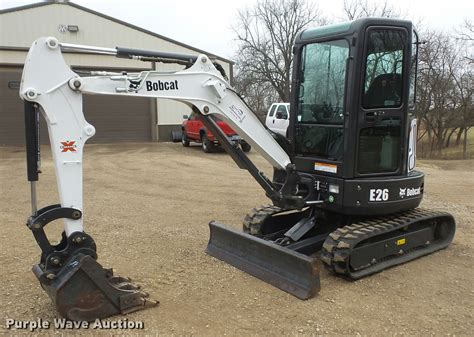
column 282, row 112
column 272, row 111
column 320, row 110
column 384, row 68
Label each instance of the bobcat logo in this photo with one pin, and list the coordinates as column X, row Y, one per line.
column 134, row 84
column 403, row 192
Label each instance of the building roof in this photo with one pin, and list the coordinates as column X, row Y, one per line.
column 143, row 30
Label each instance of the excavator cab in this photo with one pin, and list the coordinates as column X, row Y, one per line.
column 351, row 116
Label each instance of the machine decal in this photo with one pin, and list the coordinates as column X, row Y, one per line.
column 403, row 192
column 324, row 167
column 401, row 242
column 237, row 113
column 68, row 146
column 62, row 28
column 134, row 85
column 161, row 85
column 412, row 145
column 409, row 192
column 378, row 194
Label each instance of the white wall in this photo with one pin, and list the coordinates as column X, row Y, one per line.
column 21, row 28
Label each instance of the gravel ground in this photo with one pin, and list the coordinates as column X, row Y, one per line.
column 147, row 207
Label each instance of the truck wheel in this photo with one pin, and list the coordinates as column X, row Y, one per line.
column 245, row 147
column 184, row 140
column 207, row 146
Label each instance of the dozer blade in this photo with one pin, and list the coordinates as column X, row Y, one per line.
column 283, row 268
column 84, row 291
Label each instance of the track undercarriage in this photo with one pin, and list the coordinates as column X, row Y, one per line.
column 353, row 247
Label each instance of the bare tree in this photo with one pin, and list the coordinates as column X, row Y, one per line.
column 461, row 70
column 464, row 83
column 258, row 94
column 466, row 35
column 355, row 9
column 434, row 84
column 266, row 33
column 445, row 92
column 467, row 31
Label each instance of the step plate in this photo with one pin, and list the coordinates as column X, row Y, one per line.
column 295, row 273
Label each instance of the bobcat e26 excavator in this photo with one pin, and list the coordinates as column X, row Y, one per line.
column 344, row 182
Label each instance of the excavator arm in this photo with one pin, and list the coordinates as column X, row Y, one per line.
column 80, row 287
column 48, row 81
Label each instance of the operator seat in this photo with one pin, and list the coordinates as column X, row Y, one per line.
column 384, row 91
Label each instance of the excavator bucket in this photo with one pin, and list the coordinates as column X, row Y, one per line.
column 283, row 268
column 84, row 291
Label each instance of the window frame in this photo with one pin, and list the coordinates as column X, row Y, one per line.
column 272, row 110
column 345, row 97
column 364, row 69
column 346, row 71
column 284, row 112
column 392, row 111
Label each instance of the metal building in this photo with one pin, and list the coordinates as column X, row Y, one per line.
column 116, row 119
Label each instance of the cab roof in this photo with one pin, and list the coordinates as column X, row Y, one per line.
column 347, row 27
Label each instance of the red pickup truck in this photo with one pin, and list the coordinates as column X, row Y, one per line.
column 194, row 131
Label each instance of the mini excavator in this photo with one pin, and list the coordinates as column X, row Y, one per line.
column 344, row 190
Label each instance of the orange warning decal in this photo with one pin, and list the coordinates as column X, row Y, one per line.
column 325, row 167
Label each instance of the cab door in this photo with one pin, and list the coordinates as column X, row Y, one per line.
column 319, row 121
column 382, row 111
column 270, row 119
column 280, row 122
column 193, row 127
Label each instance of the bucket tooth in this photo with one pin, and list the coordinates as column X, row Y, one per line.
column 283, row 268
column 116, row 279
column 84, row 291
column 127, row 286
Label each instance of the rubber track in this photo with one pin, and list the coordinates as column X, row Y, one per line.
column 337, row 248
column 253, row 221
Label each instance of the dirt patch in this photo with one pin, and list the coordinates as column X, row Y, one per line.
column 449, row 165
column 147, row 207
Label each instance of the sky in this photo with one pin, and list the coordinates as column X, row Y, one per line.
column 206, row 24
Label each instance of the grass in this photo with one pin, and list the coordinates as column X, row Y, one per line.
column 451, row 152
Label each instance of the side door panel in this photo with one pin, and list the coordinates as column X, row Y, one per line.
column 192, row 122
column 270, row 119
column 281, row 117
column 381, row 114
column 319, row 124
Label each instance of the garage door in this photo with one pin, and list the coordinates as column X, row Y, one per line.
column 116, row 119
